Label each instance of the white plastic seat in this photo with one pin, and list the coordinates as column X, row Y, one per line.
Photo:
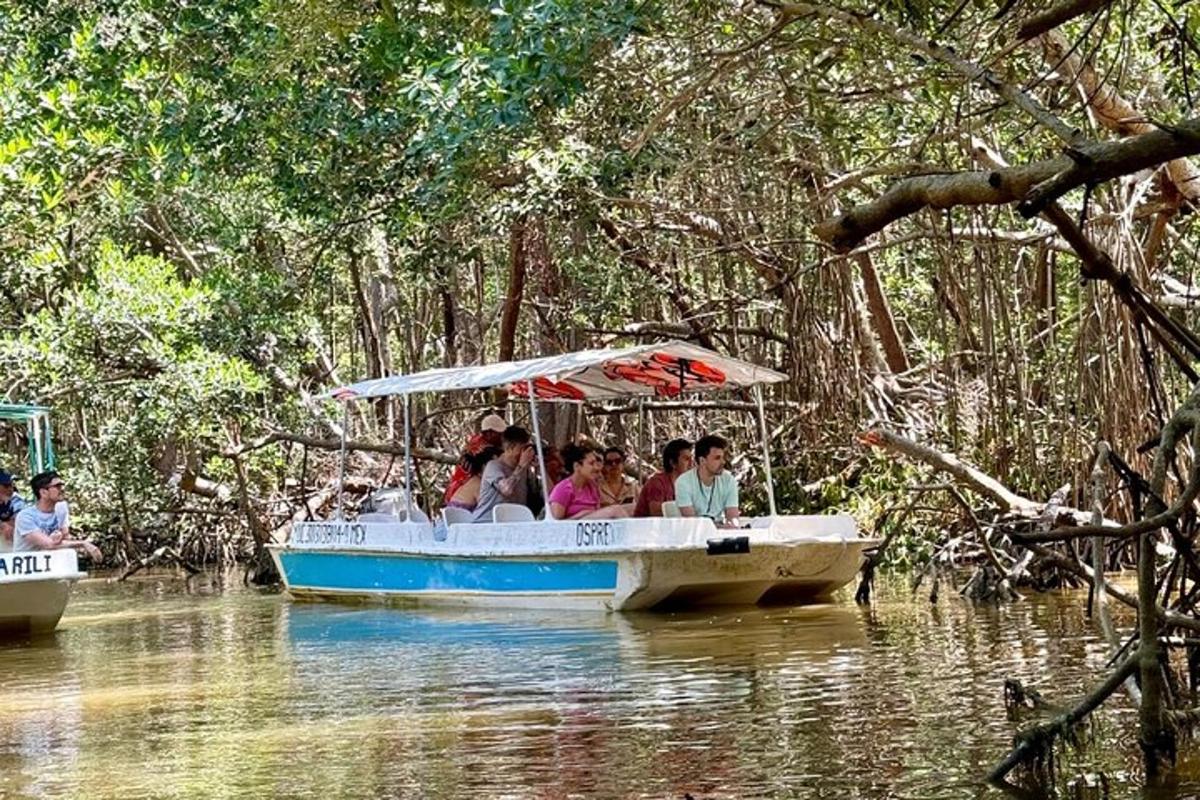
column 457, row 516
column 413, row 514
column 670, row 509
column 387, row 500
column 512, row 512
column 377, row 516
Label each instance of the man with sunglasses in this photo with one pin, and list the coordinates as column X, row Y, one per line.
column 42, row 525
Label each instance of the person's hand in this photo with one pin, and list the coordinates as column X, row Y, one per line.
column 526, row 457
column 56, row 537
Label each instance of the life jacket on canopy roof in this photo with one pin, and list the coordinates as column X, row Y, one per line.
column 547, row 389
column 666, row 374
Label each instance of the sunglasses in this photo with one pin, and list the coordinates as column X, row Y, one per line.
column 614, row 462
column 59, row 485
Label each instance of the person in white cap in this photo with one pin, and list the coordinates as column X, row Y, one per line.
column 491, row 432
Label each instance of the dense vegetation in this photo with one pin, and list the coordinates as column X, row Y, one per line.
column 212, row 210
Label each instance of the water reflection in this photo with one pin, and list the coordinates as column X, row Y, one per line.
column 160, row 688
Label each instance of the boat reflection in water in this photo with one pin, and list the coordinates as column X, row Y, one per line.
column 606, row 701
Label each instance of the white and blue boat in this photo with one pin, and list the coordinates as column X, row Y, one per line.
column 620, row 564
column 34, row 585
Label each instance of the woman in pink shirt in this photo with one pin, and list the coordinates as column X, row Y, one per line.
column 578, row 495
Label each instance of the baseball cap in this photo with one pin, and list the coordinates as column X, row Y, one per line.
column 493, row 422
column 6, row 478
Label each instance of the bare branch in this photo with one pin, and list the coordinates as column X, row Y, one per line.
column 1034, row 185
column 1056, row 15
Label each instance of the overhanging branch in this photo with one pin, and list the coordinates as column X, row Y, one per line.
column 1034, row 185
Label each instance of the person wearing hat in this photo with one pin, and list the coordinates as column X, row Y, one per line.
column 491, row 434
column 10, row 504
column 10, row 501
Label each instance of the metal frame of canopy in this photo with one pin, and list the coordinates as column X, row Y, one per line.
column 40, row 447
column 640, row 371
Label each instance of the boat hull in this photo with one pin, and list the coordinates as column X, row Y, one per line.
column 34, row 589
column 624, row 565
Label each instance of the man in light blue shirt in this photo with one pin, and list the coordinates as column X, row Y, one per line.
column 708, row 490
column 43, row 525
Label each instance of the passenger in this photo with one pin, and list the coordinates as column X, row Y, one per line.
column 617, row 488
column 43, row 525
column 709, row 490
column 10, row 504
column 555, row 471
column 467, row 495
column 506, row 478
column 578, row 496
column 554, row 474
column 677, row 459
column 491, row 431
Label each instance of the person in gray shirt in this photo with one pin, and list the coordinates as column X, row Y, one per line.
column 507, row 478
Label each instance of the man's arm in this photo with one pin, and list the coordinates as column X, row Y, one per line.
column 40, row 540
column 508, row 486
column 683, row 497
column 732, row 512
column 26, row 530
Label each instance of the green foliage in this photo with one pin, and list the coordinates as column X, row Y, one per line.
column 158, row 380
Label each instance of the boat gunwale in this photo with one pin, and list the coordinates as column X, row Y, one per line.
column 576, row 554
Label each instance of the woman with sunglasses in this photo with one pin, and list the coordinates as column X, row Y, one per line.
column 617, row 488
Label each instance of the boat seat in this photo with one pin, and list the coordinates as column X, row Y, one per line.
column 377, row 516
column 457, row 516
column 413, row 514
column 670, row 509
column 512, row 512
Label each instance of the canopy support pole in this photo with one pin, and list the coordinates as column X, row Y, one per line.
column 408, row 504
column 641, row 437
column 51, row 459
column 537, row 442
column 37, row 444
column 341, row 484
column 766, row 447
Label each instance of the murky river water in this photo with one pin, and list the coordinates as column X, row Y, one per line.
column 164, row 688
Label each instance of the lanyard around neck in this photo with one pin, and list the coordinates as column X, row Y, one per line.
column 712, row 491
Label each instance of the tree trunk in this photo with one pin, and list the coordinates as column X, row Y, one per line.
column 553, row 323
column 881, row 316
column 517, row 266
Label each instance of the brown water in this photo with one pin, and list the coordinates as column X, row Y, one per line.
column 162, row 688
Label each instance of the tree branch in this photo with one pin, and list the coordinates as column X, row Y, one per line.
column 1056, row 15
column 1035, row 185
column 335, row 444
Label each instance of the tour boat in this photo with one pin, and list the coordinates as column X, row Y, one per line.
column 34, row 585
column 619, row 564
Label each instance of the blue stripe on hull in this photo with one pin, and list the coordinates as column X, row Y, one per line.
column 380, row 573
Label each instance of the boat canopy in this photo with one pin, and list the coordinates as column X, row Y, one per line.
column 666, row 369
column 40, row 440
